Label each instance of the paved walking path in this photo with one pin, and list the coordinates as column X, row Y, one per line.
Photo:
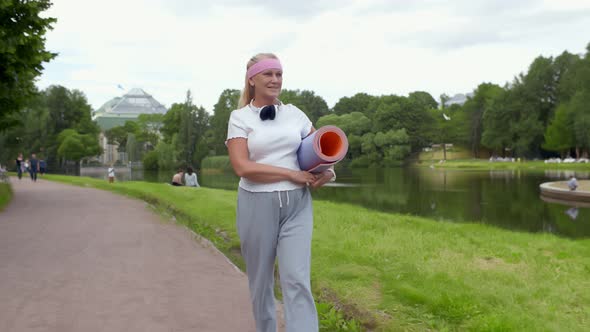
column 80, row 259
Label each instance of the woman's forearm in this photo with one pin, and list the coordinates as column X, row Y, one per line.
column 263, row 173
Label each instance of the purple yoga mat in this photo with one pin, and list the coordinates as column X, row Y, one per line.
column 322, row 149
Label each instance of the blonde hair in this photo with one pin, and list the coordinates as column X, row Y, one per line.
column 248, row 91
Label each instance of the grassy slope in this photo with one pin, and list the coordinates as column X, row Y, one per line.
column 5, row 195
column 395, row 272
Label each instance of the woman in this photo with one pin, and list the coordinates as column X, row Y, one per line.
column 190, row 178
column 111, row 173
column 177, row 178
column 19, row 166
column 274, row 214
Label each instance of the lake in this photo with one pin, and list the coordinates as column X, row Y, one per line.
column 504, row 198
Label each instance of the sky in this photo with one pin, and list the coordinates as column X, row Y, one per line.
column 335, row 48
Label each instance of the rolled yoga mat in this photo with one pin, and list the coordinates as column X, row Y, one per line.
column 322, row 149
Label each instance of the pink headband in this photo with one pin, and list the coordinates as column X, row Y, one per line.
column 262, row 65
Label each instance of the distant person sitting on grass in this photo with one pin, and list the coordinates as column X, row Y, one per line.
column 572, row 183
column 111, row 173
column 190, row 178
column 177, row 178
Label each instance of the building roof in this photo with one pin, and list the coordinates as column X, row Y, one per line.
column 128, row 107
column 459, row 99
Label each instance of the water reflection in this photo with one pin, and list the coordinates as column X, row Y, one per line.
column 505, row 198
column 572, row 209
column 564, row 174
column 572, row 212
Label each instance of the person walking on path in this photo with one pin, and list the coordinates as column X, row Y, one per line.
column 42, row 166
column 190, row 178
column 19, row 166
column 274, row 213
column 111, row 173
column 34, row 167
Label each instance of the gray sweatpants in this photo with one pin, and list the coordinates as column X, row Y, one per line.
column 271, row 225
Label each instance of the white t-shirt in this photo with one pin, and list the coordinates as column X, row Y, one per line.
column 111, row 172
column 191, row 180
column 271, row 142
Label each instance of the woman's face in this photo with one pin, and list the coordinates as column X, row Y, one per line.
column 267, row 84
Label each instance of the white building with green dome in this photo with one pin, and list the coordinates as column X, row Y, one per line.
column 116, row 112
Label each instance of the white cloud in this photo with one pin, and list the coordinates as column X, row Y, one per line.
column 336, row 48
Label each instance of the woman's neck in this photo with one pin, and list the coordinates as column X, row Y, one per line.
column 259, row 102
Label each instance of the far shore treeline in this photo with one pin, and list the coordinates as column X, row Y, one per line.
column 544, row 112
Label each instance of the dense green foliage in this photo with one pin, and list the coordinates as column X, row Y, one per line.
column 22, row 54
column 217, row 163
column 541, row 113
column 228, row 101
column 150, row 161
column 55, row 124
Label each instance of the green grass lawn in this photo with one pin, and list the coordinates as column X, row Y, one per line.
column 5, row 194
column 402, row 273
column 480, row 164
column 456, row 152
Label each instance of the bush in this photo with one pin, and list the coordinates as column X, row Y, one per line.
column 150, row 161
column 360, row 162
column 166, row 156
column 216, row 162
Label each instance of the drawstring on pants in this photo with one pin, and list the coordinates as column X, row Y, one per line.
column 281, row 201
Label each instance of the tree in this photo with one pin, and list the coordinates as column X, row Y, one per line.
column 360, row 102
column 166, row 154
column 559, row 135
column 67, row 109
column 580, row 109
column 149, row 126
column 540, row 86
column 444, row 98
column 395, row 112
column 496, row 123
column 131, row 148
column 313, row 106
column 474, row 108
column 171, row 122
column 423, row 100
column 117, row 136
column 227, row 102
column 565, row 68
column 355, row 123
column 185, row 126
column 22, row 54
column 44, row 117
column 75, row 146
column 446, row 127
column 394, row 147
